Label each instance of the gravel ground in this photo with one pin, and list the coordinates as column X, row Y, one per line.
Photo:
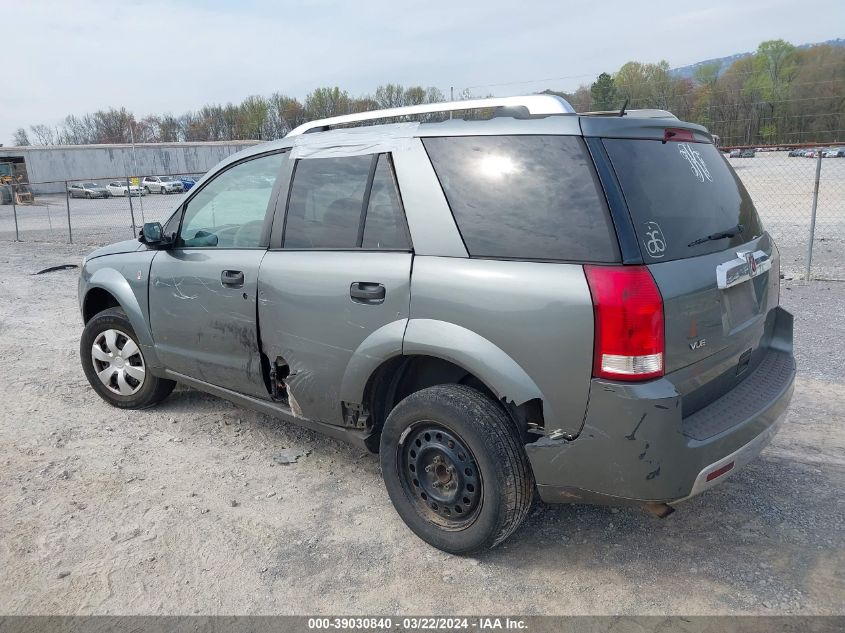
column 182, row 508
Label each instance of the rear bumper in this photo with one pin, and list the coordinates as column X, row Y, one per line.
column 635, row 446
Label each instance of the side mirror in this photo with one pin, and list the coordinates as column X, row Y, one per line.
column 153, row 234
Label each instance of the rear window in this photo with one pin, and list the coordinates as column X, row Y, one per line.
column 525, row 197
column 678, row 193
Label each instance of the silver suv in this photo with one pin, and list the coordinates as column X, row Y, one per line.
column 582, row 306
column 161, row 184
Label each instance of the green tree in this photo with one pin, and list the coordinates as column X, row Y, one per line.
column 326, row 102
column 253, row 121
column 774, row 67
column 603, row 93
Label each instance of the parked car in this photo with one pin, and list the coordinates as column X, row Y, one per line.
column 796, row 152
column 747, row 153
column 88, row 190
column 834, row 152
column 811, row 153
column 498, row 308
column 161, row 184
column 117, row 188
column 187, row 182
column 735, row 153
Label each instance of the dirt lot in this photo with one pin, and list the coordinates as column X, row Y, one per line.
column 182, row 508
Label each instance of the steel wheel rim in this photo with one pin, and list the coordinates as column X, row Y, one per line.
column 440, row 475
column 118, row 362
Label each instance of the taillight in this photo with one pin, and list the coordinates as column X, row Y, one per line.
column 629, row 332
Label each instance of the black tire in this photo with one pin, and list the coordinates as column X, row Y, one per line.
column 152, row 389
column 495, row 477
column 146, row 190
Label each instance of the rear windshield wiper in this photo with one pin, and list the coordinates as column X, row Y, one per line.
column 718, row 236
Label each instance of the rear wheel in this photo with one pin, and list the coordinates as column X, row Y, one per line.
column 455, row 468
column 114, row 363
column 146, row 190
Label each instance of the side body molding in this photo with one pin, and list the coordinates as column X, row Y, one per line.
column 474, row 353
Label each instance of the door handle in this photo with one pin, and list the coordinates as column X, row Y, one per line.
column 232, row 278
column 367, row 292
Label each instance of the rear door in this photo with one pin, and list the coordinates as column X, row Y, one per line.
column 341, row 272
column 717, row 269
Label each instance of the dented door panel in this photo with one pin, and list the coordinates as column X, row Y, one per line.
column 311, row 326
column 201, row 327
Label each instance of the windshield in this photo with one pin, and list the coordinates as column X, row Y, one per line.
column 89, row 185
column 678, row 193
column 167, row 179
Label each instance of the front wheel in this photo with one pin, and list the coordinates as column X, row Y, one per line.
column 455, row 469
column 114, row 363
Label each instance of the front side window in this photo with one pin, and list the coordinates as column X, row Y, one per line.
column 345, row 203
column 229, row 212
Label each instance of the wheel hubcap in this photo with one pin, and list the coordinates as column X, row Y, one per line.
column 440, row 475
column 118, row 362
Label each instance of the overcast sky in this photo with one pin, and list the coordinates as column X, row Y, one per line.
column 155, row 56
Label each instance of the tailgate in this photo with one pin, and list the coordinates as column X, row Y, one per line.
column 716, row 268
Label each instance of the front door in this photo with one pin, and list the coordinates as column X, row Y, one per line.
column 342, row 273
column 203, row 292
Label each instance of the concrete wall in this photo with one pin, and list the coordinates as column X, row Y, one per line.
column 101, row 163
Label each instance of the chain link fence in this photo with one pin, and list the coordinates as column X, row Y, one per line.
column 92, row 212
column 800, row 198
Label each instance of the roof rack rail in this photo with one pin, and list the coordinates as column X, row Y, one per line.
column 535, row 104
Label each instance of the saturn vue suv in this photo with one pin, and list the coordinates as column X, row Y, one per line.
column 576, row 307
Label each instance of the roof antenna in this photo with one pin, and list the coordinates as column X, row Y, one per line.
column 624, row 105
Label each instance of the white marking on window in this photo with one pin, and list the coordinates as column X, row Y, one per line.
column 655, row 243
column 697, row 164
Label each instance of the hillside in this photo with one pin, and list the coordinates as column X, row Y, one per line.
column 687, row 72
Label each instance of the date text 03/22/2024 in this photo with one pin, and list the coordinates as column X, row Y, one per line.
column 423, row 624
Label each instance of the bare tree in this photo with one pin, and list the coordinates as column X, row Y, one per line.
column 20, row 137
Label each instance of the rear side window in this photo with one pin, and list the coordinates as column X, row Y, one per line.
column 679, row 193
column 525, row 197
column 345, row 203
column 384, row 227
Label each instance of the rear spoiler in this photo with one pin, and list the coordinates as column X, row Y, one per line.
column 652, row 124
column 649, row 113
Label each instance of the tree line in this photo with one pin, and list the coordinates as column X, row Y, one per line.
column 256, row 117
column 779, row 95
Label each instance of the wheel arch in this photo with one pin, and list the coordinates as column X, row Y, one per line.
column 107, row 288
column 437, row 352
